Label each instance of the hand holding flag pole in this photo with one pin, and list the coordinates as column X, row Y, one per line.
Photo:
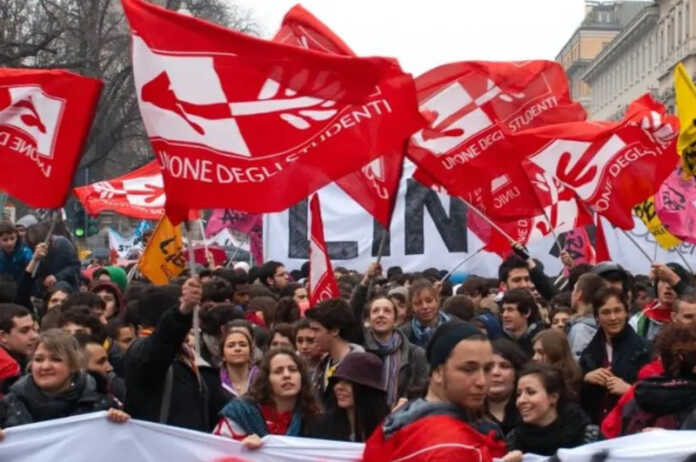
column 47, row 240
column 197, row 309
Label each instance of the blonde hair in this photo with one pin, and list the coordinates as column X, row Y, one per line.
column 61, row 343
column 237, row 330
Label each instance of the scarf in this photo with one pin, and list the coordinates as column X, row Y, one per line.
column 44, row 407
column 248, row 416
column 390, row 353
column 229, row 386
column 421, row 334
column 567, row 431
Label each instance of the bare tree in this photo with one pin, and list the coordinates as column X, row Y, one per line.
column 91, row 37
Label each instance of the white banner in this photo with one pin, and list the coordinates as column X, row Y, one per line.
column 121, row 244
column 91, row 437
column 427, row 230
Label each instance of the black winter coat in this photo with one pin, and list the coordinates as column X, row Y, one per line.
column 26, row 403
column 61, row 262
column 194, row 404
column 630, row 353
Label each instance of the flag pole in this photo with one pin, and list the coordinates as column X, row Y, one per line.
column 458, row 265
column 380, row 251
column 681, row 255
column 630, row 238
column 197, row 310
column 51, row 228
column 488, row 220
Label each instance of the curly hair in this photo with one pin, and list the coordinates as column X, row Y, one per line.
column 261, row 392
column 673, row 344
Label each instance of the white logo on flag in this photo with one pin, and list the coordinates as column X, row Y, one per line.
column 35, row 113
column 567, row 161
column 179, row 104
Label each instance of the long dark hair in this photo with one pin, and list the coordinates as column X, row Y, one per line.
column 260, row 391
column 370, row 410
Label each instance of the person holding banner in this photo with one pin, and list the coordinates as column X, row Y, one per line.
column 280, row 402
column 57, row 386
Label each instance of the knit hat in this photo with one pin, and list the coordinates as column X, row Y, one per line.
column 118, row 276
column 361, row 368
column 445, row 339
column 27, row 221
column 401, row 290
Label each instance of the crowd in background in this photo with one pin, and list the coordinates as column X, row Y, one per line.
column 407, row 362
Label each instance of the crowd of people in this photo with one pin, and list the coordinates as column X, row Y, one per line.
column 410, row 364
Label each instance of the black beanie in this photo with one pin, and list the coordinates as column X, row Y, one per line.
column 446, row 338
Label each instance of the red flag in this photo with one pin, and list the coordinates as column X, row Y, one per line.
column 609, row 166
column 45, row 116
column 247, row 223
column 322, row 283
column 253, row 125
column 472, row 109
column 374, row 186
column 138, row 194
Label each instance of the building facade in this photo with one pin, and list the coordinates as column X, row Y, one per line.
column 641, row 58
column 602, row 23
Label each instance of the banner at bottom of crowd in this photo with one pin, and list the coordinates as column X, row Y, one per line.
column 90, row 437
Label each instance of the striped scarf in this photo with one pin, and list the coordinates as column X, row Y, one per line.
column 390, row 352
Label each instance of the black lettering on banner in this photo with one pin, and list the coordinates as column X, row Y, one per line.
column 377, row 233
column 452, row 228
column 298, row 243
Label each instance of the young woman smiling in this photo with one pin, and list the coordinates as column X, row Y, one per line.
column 549, row 420
column 57, row 386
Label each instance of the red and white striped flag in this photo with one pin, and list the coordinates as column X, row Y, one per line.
column 322, row 283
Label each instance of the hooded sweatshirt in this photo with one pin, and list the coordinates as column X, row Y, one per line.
column 423, row 431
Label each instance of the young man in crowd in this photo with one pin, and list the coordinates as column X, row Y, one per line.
column 306, row 343
column 163, row 381
column 671, row 281
column 333, row 324
column 520, row 317
column 18, row 337
column 521, row 271
column 274, row 276
column 441, row 426
column 584, row 327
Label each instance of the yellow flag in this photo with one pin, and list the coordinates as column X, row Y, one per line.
column 163, row 258
column 646, row 212
column 685, row 96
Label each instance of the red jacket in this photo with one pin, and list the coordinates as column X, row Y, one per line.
column 612, row 423
column 8, row 368
column 430, row 436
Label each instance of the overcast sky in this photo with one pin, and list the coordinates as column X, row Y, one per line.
column 424, row 34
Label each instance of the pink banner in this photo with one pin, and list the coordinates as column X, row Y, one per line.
column 674, row 203
column 246, row 223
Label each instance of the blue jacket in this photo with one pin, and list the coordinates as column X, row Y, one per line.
column 14, row 263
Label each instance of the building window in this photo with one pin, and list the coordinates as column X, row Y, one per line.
column 680, row 30
column 687, row 20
